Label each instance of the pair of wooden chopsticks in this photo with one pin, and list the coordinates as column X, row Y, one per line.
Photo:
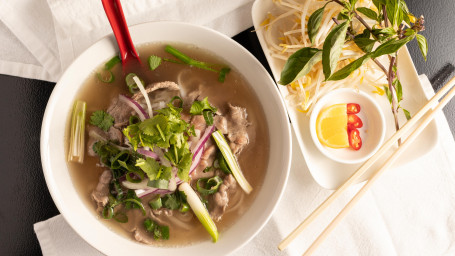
column 406, row 128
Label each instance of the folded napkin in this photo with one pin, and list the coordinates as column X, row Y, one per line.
column 41, row 38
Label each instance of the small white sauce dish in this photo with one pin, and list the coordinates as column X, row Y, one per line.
column 372, row 133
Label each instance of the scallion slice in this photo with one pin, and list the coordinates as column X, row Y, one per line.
column 132, row 86
column 231, row 161
column 184, row 207
column 208, row 186
column 105, row 76
column 112, row 62
column 199, row 209
column 77, row 133
column 156, row 203
column 138, row 203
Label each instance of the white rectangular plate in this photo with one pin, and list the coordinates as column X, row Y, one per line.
column 326, row 172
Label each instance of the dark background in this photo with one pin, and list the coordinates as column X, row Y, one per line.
column 25, row 198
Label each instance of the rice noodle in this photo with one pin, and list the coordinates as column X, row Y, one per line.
column 146, row 96
column 284, row 36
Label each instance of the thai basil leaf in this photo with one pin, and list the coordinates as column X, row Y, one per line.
column 353, row 2
column 423, row 45
column 395, row 11
column 314, row 23
column 379, row 3
column 405, row 11
column 398, row 89
column 368, row 12
column 391, row 46
column 385, row 31
column 331, row 50
column 365, row 44
column 407, row 114
column 348, row 69
column 342, row 16
column 388, row 93
column 299, row 64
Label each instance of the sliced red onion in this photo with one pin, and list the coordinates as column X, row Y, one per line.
column 196, row 160
column 203, row 140
column 148, row 153
column 134, row 105
column 145, row 192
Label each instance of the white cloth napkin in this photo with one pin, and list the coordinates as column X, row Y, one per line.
column 409, row 211
column 41, row 38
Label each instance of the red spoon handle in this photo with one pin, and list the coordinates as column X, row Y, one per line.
column 114, row 13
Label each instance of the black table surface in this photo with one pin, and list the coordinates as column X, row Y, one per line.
column 25, row 198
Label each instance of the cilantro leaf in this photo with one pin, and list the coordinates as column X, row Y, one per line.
column 199, row 106
column 150, row 166
column 203, row 108
column 171, row 201
column 102, row 119
column 153, row 169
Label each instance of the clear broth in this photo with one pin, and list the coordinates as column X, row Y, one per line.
column 253, row 159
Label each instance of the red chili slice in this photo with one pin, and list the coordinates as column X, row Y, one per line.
column 354, row 121
column 352, row 108
column 354, row 139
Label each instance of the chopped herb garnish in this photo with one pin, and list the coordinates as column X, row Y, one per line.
column 154, row 62
column 165, row 130
column 203, row 108
column 112, row 62
column 102, row 119
column 132, row 86
column 105, row 76
column 158, row 232
column 208, row 186
column 156, row 203
column 199, row 106
column 171, row 201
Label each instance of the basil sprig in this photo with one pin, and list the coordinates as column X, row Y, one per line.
column 299, row 64
column 333, row 45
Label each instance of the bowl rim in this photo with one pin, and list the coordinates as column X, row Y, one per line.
column 108, row 40
column 318, row 107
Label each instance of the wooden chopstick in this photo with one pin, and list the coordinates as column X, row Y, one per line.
column 367, row 165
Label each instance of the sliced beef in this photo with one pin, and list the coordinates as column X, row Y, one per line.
column 120, row 111
column 142, row 236
column 101, row 193
column 199, row 123
column 219, row 201
column 207, row 159
column 220, row 123
column 237, row 124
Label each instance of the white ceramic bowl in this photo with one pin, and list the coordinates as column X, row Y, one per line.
column 372, row 133
column 58, row 179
